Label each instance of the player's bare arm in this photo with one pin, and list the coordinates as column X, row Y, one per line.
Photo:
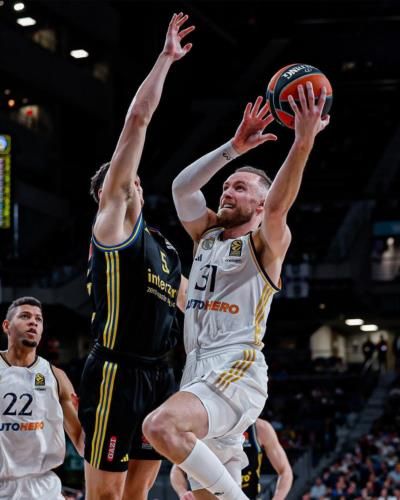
column 274, row 233
column 190, row 203
column 68, row 401
column 182, row 294
column 120, row 201
column 277, row 456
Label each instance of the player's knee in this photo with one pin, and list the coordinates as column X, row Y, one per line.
column 104, row 492
column 158, row 427
column 138, row 491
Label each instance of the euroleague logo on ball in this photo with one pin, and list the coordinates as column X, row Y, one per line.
column 285, row 83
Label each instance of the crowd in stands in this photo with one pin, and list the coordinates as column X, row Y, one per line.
column 371, row 469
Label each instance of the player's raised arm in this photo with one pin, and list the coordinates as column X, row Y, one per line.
column 286, row 185
column 186, row 189
column 120, row 200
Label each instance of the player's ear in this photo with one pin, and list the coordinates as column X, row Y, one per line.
column 6, row 326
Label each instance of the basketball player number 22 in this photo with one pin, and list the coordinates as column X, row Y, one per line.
column 204, row 277
column 10, row 408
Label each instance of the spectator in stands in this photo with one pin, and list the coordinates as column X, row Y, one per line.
column 318, row 490
column 395, row 475
column 340, row 487
column 396, row 350
column 382, row 348
column 368, row 349
column 352, row 491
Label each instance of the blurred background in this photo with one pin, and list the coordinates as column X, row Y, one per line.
column 68, row 71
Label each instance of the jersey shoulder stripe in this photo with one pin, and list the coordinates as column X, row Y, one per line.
column 127, row 243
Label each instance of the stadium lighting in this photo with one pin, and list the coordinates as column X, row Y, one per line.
column 19, row 6
column 26, row 21
column 354, row 321
column 79, row 53
column 369, row 328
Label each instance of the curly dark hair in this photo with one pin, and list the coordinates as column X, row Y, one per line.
column 96, row 182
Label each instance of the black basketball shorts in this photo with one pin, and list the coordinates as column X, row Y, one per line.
column 114, row 400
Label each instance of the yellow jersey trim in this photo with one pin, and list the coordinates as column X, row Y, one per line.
column 124, row 244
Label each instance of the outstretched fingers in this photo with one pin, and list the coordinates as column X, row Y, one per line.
column 187, row 47
column 293, row 104
column 181, row 19
column 267, row 120
column 185, row 32
column 321, row 100
column 256, row 107
column 302, row 98
column 268, row 137
column 263, row 111
column 247, row 111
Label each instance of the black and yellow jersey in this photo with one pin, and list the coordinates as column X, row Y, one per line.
column 133, row 288
column 251, row 474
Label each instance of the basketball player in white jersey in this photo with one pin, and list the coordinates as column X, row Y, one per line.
column 37, row 402
column 236, row 271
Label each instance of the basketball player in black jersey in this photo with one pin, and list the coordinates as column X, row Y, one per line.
column 259, row 437
column 135, row 284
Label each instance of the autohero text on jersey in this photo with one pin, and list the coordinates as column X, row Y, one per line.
column 21, row 426
column 212, row 305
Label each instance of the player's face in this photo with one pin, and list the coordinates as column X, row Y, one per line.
column 241, row 199
column 25, row 328
column 139, row 189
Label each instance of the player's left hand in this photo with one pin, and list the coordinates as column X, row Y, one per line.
column 250, row 134
column 175, row 35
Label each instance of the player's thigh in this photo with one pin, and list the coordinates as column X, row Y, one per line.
column 184, row 411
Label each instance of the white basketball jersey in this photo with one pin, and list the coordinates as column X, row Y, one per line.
column 32, row 439
column 229, row 294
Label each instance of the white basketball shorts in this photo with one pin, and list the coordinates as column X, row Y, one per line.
column 232, row 384
column 46, row 486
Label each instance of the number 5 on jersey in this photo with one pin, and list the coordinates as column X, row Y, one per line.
column 164, row 264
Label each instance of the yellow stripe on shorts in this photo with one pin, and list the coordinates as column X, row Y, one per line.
column 102, row 412
column 237, row 370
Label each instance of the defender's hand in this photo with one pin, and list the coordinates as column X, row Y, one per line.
column 175, row 35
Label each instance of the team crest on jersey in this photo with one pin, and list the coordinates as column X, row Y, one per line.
column 40, row 382
column 208, row 243
column 236, row 248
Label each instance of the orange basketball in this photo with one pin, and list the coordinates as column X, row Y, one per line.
column 285, row 82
